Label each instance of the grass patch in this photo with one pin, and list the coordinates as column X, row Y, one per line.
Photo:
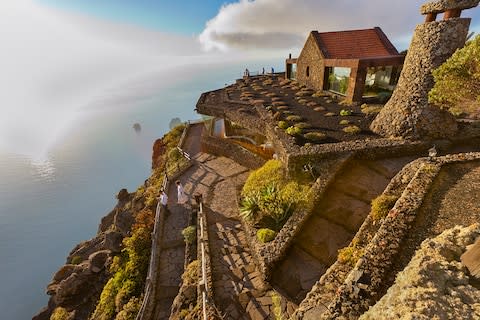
column 77, row 260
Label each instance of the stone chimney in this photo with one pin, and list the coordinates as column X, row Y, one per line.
column 408, row 114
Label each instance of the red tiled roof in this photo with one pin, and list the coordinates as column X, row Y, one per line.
column 354, row 44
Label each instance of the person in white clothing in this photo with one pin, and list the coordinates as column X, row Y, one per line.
column 163, row 200
column 181, row 196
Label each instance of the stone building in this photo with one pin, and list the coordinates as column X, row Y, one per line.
column 354, row 63
column 408, row 113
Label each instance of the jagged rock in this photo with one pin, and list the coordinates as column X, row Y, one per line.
column 97, row 260
column 107, row 221
column 434, row 285
column 439, row 6
column 64, row 272
column 123, row 195
column 123, row 221
column 113, row 241
column 407, row 114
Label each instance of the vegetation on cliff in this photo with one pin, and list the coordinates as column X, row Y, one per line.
column 122, row 295
column 457, row 81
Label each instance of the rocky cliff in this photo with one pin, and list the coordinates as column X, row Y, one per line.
column 77, row 285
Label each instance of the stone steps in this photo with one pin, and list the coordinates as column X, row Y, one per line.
column 341, row 211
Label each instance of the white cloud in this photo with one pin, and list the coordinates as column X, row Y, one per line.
column 286, row 23
column 54, row 63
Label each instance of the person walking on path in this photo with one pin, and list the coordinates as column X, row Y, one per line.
column 163, row 200
column 181, row 196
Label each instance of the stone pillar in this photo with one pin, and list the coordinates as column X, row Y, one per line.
column 356, row 84
column 408, row 113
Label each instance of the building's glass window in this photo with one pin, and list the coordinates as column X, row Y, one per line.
column 381, row 81
column 292, row 71
column 338, row 79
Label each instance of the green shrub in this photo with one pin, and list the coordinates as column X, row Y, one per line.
column 282, row 124
column 315, row 136
column 77, row 259
column 249, row 207
column 303, row 125
column 294, row 118
column 190, row 275
column 60, row 314
column 345, row 112
column 457, row 81
column 272, row 172
column 344, row 122
column 352, row 130
column 190, row 234
column 381, row 205
column 293, row 131
column 265, row 235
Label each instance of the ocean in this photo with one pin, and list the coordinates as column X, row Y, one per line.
column 49, row 203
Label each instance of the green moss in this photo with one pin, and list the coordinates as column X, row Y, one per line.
column 60, row 314
column 345, row 112
column 293, row 131
column 381, row 205
column 266, row 235
column 350, row 255
column 282, row 124
column 77, row 259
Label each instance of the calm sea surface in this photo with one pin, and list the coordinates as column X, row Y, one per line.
column 49, row 205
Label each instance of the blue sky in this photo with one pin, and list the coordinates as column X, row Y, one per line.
column 182, row 17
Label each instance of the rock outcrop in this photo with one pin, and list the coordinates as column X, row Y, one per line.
column 435, row 284
column 159, row 149
column 77, row 285
column 408, row 114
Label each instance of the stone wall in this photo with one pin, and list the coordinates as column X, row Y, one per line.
column 408, row 114
column 310, row 58
column 266, row 255
column 221, row 147
column 359, row 288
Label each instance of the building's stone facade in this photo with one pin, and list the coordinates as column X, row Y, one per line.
column 408, row 113
column 311, row 58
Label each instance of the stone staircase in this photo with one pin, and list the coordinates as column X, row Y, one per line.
column 342, row 210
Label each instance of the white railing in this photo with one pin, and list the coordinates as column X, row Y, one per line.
column 155, row 252
column 204, row 279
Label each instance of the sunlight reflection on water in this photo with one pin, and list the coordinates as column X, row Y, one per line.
column 43, row 168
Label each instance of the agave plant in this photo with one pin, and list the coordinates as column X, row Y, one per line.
column 249, row 207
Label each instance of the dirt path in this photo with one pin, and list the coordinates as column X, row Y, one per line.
column 343, row 209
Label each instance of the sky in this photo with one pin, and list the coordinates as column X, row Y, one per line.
column 57, row 55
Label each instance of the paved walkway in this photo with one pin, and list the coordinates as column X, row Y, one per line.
column 238, row 290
